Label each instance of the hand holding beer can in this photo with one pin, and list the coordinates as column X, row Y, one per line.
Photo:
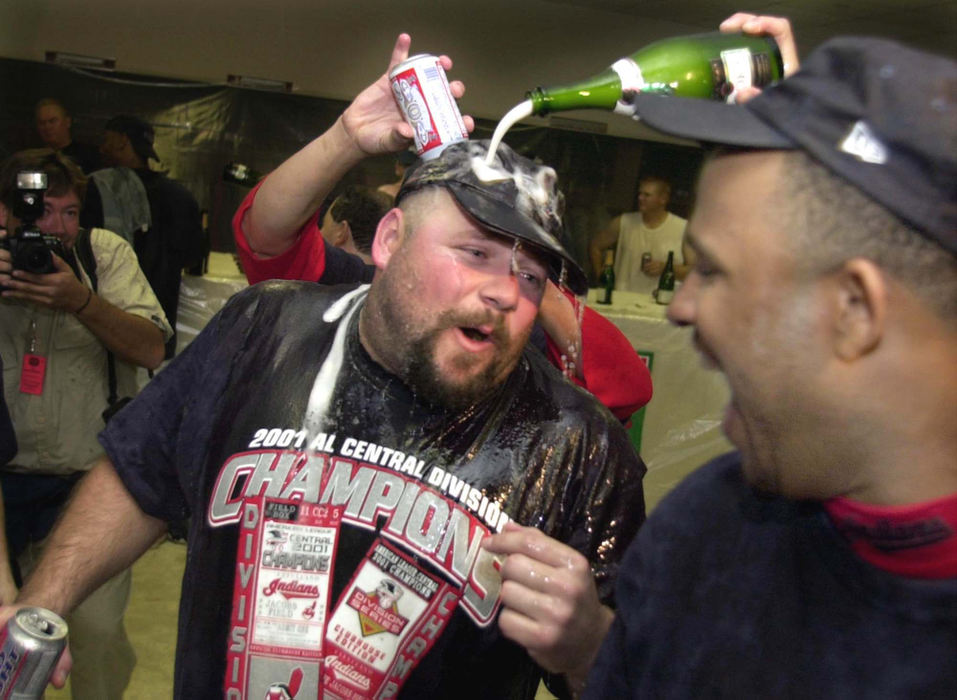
column 422, row 91
column 30, row 646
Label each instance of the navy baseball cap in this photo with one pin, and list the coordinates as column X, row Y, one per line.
column 513, row 196
column 876, row 113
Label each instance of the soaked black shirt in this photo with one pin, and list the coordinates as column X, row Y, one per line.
column 539, row 449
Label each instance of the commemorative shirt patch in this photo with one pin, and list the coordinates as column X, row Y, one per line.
column 284, row 572
column 386, row 620
column 289, row 624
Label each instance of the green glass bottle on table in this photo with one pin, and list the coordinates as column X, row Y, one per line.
column 607, row 277
column 666, row 282
column 708, row 65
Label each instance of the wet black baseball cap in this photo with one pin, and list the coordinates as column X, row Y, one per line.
column 513, row 196
column 139, row 132
column 878, row 114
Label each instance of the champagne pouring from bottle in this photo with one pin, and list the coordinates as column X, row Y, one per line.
column 710, row 66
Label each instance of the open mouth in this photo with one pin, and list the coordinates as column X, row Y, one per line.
column 475, row 334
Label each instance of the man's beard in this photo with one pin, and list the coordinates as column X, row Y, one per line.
column 423, row 375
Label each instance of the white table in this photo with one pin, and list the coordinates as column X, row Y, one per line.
column 682, row 423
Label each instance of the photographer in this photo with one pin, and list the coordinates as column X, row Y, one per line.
column 76, row 316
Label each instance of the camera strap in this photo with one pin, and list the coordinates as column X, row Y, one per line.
column 83, row 247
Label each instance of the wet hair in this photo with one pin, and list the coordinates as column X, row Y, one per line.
column 831, row 221
column 362, row 207
column 63, row 175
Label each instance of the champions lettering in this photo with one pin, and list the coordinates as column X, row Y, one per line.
column 296, row 561
column 425, row 522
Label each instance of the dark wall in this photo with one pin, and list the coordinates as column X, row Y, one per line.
column 201, row 128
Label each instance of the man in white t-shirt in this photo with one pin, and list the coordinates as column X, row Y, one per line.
column 651, row 229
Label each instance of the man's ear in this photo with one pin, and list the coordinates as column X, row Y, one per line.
column 3, row 215
column 344, row 234
column 861, row 309
column 388, row 237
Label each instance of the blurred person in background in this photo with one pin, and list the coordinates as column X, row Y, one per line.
column 161, row 218
column 54, row 125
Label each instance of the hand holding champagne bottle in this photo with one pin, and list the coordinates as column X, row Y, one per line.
column 779, row 28
column 749, row 52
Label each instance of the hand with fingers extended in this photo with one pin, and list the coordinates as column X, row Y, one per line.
column 777, row 27
column 60, row 289
column 63, row 665
column 374, row 120
column 549, row 601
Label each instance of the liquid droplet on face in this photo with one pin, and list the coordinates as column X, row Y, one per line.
column 516, row 246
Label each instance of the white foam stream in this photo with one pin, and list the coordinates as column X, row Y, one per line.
column 325, row 382
column 515, row 114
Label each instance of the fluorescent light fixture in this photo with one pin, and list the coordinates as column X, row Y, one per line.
column 77, row 60
column 259, row 83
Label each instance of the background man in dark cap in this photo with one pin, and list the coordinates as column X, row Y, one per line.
column 157, row 215
column 327, row 438
column 820, row 560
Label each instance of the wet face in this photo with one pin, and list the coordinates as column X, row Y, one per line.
column 453, row 305
column 53, row 125
column 652, row 197
column 758, row 318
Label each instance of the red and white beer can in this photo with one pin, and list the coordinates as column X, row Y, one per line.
column 30, row 646
column 422, row 91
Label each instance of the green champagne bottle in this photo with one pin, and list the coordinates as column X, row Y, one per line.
column 666, row 283
column 708, row 65
column 607, row 277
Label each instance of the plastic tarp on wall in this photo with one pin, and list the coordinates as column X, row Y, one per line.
column 200, row 128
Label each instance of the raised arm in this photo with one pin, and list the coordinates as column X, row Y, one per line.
column 290, row 195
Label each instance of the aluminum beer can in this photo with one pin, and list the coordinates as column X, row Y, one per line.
column 422, row 91
column 30, row 646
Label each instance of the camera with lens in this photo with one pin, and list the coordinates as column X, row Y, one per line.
column 30, row 249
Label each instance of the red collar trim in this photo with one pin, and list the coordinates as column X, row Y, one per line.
column 916, row 541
